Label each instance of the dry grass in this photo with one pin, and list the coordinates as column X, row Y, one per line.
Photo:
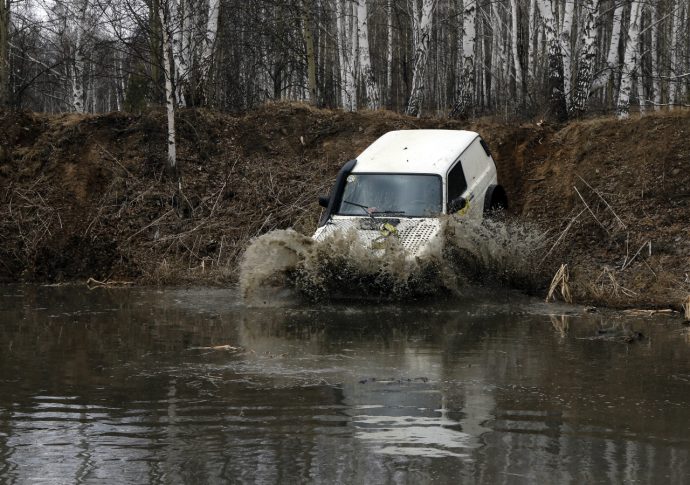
column 686, row 309
column 560, row 285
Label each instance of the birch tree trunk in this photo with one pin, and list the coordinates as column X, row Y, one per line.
column 372, row 88
column 612, row 58
column 78, row 60
column 346, row 60
column 516, row 53
column 354, row 52
column 497, row 60
column 566, row 47
column 629, row 61
column 169, row 94
column 180, row 19
column 675, row 81
column 557, row 103
column 4, row 53
column 421, row 29
column 532, row 47
column 466, row 77
column 656, row 78
column 587, row 58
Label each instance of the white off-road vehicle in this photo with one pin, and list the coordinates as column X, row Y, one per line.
column 402, row 183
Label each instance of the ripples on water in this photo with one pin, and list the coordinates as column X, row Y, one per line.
column 143, row 386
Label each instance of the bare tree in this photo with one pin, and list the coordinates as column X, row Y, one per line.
column 372, row 87
column 421, row 27
column 4, row 52
column 168, row 72
column 630, row 60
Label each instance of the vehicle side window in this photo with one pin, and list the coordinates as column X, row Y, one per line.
column 456, row 182
column 485, row 147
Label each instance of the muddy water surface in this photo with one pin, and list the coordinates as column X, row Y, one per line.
column 190, row 386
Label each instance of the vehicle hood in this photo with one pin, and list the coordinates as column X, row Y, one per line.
column 415, row 235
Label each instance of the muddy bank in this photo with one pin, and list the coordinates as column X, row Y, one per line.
column 87, row 196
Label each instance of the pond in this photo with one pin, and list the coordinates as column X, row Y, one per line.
column 192, row 386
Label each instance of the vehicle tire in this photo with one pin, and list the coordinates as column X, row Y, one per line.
column 495, row 199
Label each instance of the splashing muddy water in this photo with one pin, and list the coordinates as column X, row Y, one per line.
column 465, row 252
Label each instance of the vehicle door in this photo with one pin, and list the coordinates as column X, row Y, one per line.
column 480, row 172
column 456, row 184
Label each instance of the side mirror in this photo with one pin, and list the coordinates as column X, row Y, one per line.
column 324, row 200
column 456, row 204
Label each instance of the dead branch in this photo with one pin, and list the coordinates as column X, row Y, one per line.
column 591, row 212
column 620, row 221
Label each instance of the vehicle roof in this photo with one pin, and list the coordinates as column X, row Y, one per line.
column 414, row 151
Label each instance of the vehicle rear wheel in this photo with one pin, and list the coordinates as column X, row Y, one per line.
column 495, row 200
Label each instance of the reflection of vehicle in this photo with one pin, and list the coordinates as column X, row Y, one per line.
column 403, row 182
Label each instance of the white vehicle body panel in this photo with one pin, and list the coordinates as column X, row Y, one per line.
column 414, row 151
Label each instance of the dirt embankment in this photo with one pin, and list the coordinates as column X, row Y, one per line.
column 87, row 196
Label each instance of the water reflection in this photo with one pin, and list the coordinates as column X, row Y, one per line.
column 135, row 386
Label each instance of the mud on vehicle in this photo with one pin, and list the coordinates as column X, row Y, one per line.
column 403, row 183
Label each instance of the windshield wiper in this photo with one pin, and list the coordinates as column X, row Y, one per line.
column 367, row 210
column 400, row 213
column 370, row 211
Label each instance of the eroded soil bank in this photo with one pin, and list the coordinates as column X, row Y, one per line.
column 88, row 197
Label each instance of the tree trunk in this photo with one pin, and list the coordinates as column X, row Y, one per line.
column 533, row 46
column 154, row 38
column 463, row 105
column 372, row 88
column 4, row 53
column 307, row 26
column 345, row 45
column 169, row 94
column 209, row 46
column 389, row 56
column 179, row 19
column 78, row 61
column 656, row 78
column 566, row 48
column 587, row 59
column 516, row 54
column 675, row 81
column 557, row 104
column 629, row 61
column 612, row 59
column 421, row 29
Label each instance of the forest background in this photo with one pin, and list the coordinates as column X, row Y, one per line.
column 554, row 59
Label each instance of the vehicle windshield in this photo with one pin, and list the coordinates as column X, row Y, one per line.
column 397, row 194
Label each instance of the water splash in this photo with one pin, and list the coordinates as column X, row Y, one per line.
column 489, row 252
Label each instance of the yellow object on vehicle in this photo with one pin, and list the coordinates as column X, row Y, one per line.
column 387, row 230
column 464, row 210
